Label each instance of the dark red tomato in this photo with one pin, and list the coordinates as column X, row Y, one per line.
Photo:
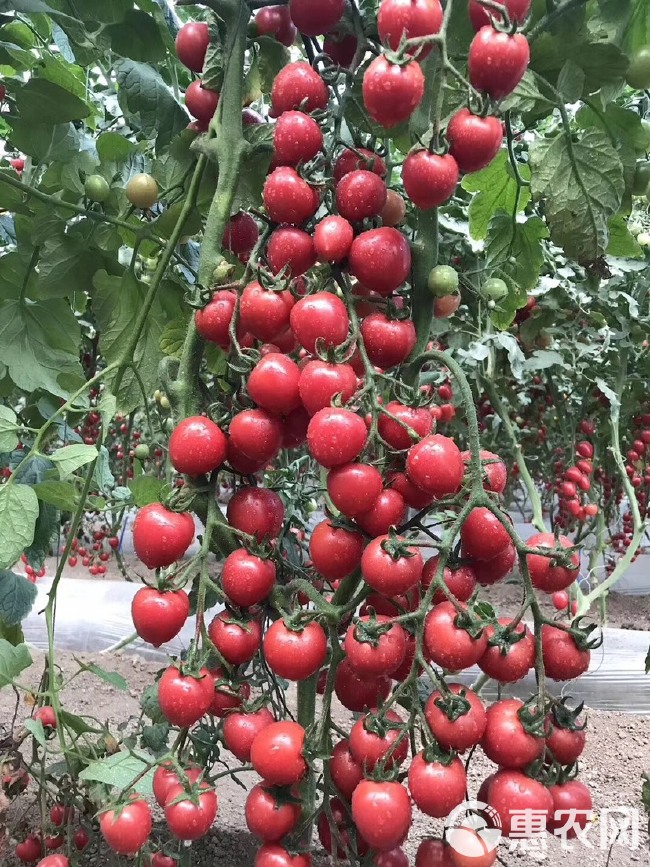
column 159, row 859
column 128, row 829
column 511, row 792
column 435, row 465
column 380, row 259
column 54, row 841
column 263, row 312
column 184, row 699
column 237, row 644
column 295, row 428
column 256, row 511
column 394, row 210
column 338, row 835
column 391, row 573
column 213, row 322
column 298, row 86
column 399, row 19
column 227, row 696
column 81, row 840
column 272, row 855
column 391, row 93
column 565, row 745
column 29, row 850
column 490, row 571
column 334, row 551
column 450, row 646
column 336, row 436
column 192, row 44
column 360, row 158
column 388, row 510
column 186, row 819
column 373, row 656
column 382, row 813
column 292, row 249
column 201, row 102
column 257, row 434
column 241, row 235
column 359, row 195
column 297, row 138
column 369, row 748
column 246, row 579
column 241, row 729
column 273, row 383
column 480, row 16
column 165, row 778
column 341, row 48
column 197, row 446
column 333, row 238
column 572, row 808
column 322, row 316
column 437, row 788
column 320, row 382
column 505, row 741
column 268, row 817
column 161, row 537
column 563, row 659
column 495, row 474
column 346, row 774
column 388, row 342
column 434, row 853
column 288, row 198
column 359, row 693
column 353, row 488
column 295, row 654
column 276, row 21
column 461, row 582
column 287, row 343
column 429, row 179
column 497, row 61
column 474, row 141
column 315, row 19
column 508, row 663
column 412, row 495
column 276, row 753
column 392, row 858
column 483, row 535
column 159, row 617
column 545, row 573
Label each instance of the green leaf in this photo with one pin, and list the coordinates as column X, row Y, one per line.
column 17, row 595
column 18, row 514
column 66, row 75
column 496, row 190
column 47, row 528
column 44, row 141
column 35, row 726
column 150, row 706
column 516, row 249
column 120, row 771
column 78, row 724
column 65, row 266
column 70, row 458
column 13, row 634
column 114, row 148
column 13, row 661
column 145, row 490
column 42, row 101
column 104, row 478
column 581, row 185
column 148, row 103
column 137, row 37
column 602, row 63
column 172, row 339
column 272, row 57
column 107, row 407
column 637, row 30
column 571, row 81
column 622, row 242
column 155, row 737
column 111, row 677
column 61, row 495
column 8, row 427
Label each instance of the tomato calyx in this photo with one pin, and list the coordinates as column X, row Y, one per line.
column 434, row 753
column 533, row 721
column 453, row 704
column 370, row 631
column 397, row 547
column 564, row 717
column 505, row 637
column 467, row 619
column 583, row 636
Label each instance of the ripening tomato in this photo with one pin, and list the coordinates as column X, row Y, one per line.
column 379, row 739
column 336, row 436
column 490, row 571
column 445, row 307
column 190, row 817
column 159, row 617
column 295, row 654
column 142, row 191
column 375, row 646
column 333, row 238
column 460, row 581
column 572, row 808
column 429, row 179
column 359, row 693
column 545, row 573
column 291, row 249
column 201, row 102
column 474, row 141
column 480, row 15
column 297, row 138
column 388, row 342
column 360, row 195
column 508, row 663
column 380, row 259
column 436, row 787
column 497, row 61
column 495, row 474
column 353, row 488
column 483, row 535
column 391, row 92
column 448, row 645
column 213, row 322
column 505, row 740
column 390, row 566
column 236, row 642
column 256, row 511
column 511, row 792
column 359, row 158
column 184, row 699
column 276, row 753
column 382, row 813
column 394, row 211
column 288, row 198
column 160, row 536
column 320, row 382
column 127, row 829
column 273, row 855
column 454, row 731
column 241, row 729
column 435, row 465
column 566, row 745
column 345, row 772
column 388, row 510
column 335, row 551
column 321, row 316
column 197, row 446
column 268, row 816
column 563, row 659
column 192, row 44
column 256, row 433
column 273, row 383
column 399, row 19
column 298, row 86
column 276, row 21
column 240, row 235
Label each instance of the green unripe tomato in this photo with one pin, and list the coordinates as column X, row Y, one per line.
column 643, row 240
column 142, row 191
column 169, row 424
column 97, row 188
column 641, row 178
column 638, row 72
column 634, row 228
column 644, row 144
column 494, row 289
column 164, row 402
column 443, row 280
column 141, row 451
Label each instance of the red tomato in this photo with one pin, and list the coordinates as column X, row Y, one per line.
column 497, row 61
column 201, row 102
column 448, row 645
column 434, row 853
column 240, row 235
column 314, row 19
column 241, row 729
column 474, row 141
column 335, row 552
column 276, row 21
column 359, row 693
column 475, row 852
column 159, row 617
column 372, row 655
column 483, row 535
column 126, row 830
column 227, row 697
column 333, row 238
column 563, row 659
column 388, row 342
column 159, row 859
column 322, row 316
column 47, row 716
column 320, row 382
column 272, row 855
column 392, row 858
column 298, row 86
column 380, row 259
column 258, row 512
column 237, row 643
column 391, row 93
column 437, row 788
column 388, row 510
column 336, row 436
column 353, row 488
column 263, row 312
column 490, row 571
column 461, row 582
column 445, row 307
column 565, row 745
column 213, row 322
column 341, row 48
column 292, row 249
column 268, row 817
column 544, row 573
column 288, row 198
column 346, row 773
column 297, row 138
column 197, row 446
column 390, row 571
column 368, row 748
column 246, row 579
column 29, row 850
column 183, row 698
column 54, row 861
column 435, row 465
column 480, row 16
column 572, row 807
column 399, row 19
column 394, row 210
column 509, row 663
column 273, row 383
column 81, row 840
column 192, row 44
column 160, row 537
column 360, row 195
column 257, row 434
column 186, row 819
column 429, row 179
column 495, row 474
column 165, row 778
column 276, row 753
column 293, row 654
column 360, row 158
column 511, row 792
column 382, row 813
column 505, row 741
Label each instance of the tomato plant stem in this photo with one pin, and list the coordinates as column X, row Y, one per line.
column 306, row 717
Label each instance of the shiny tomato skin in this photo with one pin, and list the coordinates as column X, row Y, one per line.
column 563, row 659
column 369, row 749
column 276, row 21
column 448, row 645
column 159, row 617
column 227, row 697
column 388, row 342
column 435, row 465
column 266, row 817
column 497, row 61
column 567, row 798
column 516, row 663
column 273, row 855
column 429, row 179
column 381, row 657
column 354, row 487
column 474, row 141
column 490, row 571
column 388, row 510
column 165, row 777
column 359, row 158
column 434, row 853
column 160, row 536
column 297, row 138
column 126, row 831
column 543, row 573
column 29, row 850
column 445, row 307
column 257, row 434
column 380, row 259
column 387, row 574
column 413, row 496
column 213, row 322
column 184, row 699
column 241, row 729
column 461, row 582
column 240, row 235
column 336, row 436
column 345, row 772
column 480, row 16
column 360, row 195
column 437, row 788
column 246, row 579
column 511, row 791
column 359, row 693
column 292, row 249
column 276, row 753
column 321, row 381
column 295, row 84
column 192, row 45
column 273, row 384
column 322, row 316
column 505, row 741
column 295, row 655
column 315, row 19
column 398, row 19
column 256, row 511
column 391, row 93
column 483, row 535
column 335, row 552
column 263, row 312
column 565, row 745
column 187, row 820
column 333, row 238
column 394, row 210
column 201, row 102
column 495, row 474
column 382, row 813
column 197, row 446
column 288, row 198
column 237, row 644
